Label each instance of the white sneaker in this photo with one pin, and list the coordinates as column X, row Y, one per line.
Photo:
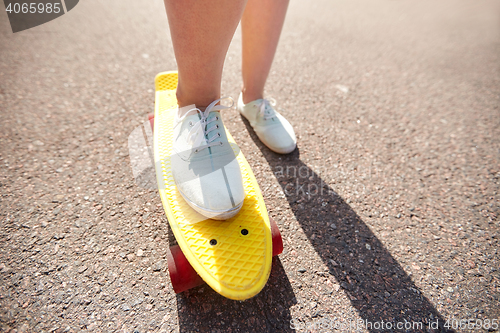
column 204, row 165
column 269, row 125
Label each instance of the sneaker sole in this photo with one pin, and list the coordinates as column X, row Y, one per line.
column 287, row 150
column 213, row 214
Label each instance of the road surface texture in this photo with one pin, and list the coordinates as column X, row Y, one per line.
column 389, row 208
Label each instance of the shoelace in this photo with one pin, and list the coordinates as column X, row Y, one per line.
column 200, row 129
column 266, row 111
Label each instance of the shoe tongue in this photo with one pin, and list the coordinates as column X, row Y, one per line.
column 213, row 123
column 268, row 109
column 197, row 136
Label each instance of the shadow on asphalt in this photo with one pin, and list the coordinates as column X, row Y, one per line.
column 203, row 310
column 377, row 286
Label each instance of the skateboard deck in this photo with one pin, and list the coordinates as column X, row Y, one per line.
column 233, row 256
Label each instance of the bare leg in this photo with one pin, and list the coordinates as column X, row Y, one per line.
column 201, row 33
column 261, row 28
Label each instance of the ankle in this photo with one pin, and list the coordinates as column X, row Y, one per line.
column 200, row 100
column 250, row 96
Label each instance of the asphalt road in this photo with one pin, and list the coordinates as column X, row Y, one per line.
column 388, row 208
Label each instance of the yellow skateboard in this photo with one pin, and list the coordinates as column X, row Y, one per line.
column 233, row 256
